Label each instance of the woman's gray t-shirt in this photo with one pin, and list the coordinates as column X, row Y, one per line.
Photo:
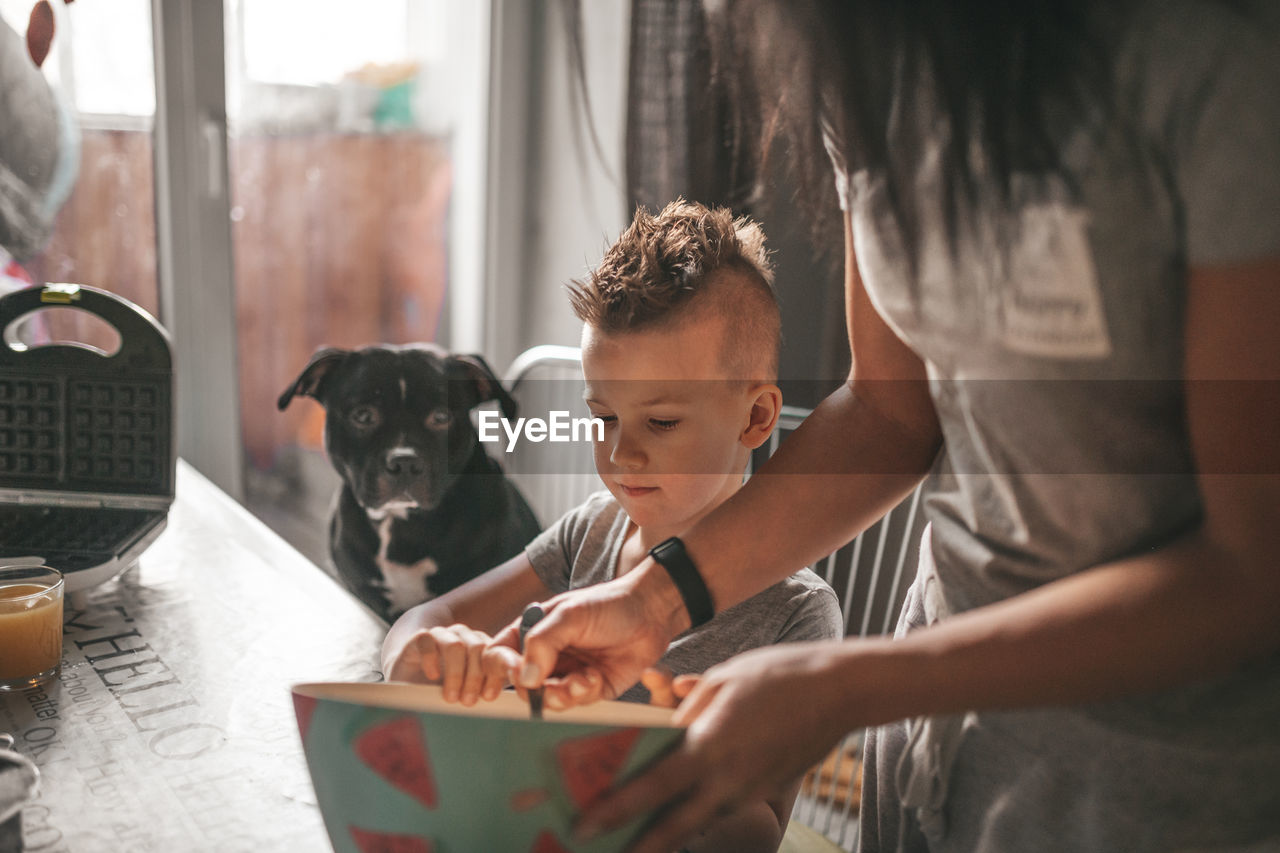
column 582, row 548
column 1056, row 369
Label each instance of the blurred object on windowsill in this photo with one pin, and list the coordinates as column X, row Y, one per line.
column 286, row 108
column 393, row 84
column 376, row 98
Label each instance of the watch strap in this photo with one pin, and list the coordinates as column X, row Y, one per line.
column 672, row 556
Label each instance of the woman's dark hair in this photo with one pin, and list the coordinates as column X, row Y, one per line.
column 1008, row 78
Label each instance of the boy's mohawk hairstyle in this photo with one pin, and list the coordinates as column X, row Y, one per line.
column 660, row 262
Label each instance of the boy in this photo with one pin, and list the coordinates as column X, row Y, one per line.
column 679, row 350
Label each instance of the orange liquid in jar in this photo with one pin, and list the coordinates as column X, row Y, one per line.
column 30, row 637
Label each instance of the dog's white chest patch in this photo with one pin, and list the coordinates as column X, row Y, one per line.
column 405, row 585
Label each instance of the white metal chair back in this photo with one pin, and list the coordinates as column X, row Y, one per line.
column 870, row 575
column 556, row 478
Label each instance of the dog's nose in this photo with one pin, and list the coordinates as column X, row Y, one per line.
column 405, row 462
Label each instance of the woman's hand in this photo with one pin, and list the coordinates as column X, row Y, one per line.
column 595, row 642
column 755, row 724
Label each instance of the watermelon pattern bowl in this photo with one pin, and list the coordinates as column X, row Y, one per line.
column 396, row 769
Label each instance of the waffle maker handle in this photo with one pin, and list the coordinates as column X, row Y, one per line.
column 144, row 343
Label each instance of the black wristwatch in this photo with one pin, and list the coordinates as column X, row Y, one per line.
column 671, row 555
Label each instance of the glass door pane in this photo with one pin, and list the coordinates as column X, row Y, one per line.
column 100, row 66
column 343, row 120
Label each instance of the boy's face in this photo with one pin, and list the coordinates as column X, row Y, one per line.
column 673, row 444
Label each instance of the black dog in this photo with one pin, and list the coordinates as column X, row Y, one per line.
column 423, row 508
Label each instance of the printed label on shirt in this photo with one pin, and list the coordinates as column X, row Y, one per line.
column 1051, row 303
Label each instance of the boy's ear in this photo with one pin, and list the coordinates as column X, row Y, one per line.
column 766, row 406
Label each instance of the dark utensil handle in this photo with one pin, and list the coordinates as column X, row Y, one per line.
column 532, row 616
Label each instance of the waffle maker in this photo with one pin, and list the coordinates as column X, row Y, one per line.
column 87, row 457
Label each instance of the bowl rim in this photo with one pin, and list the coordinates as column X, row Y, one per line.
column 429, row 699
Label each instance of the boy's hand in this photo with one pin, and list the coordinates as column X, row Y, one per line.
column 402, row 655
column 665, row 688
column 464, row 661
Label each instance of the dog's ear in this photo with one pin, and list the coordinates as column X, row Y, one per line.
column 310, row 382
column 471, row 376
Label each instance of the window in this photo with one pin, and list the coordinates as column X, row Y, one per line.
column 351, row 127
column 101, row 58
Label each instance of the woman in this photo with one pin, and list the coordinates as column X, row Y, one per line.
column 1062, row 251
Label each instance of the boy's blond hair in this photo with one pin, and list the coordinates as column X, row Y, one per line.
column 689, row 258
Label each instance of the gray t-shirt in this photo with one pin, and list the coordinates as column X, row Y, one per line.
column 1056, row 372
column 582, row 549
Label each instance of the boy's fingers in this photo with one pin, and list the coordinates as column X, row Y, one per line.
column 501, row 657
column 658, row 684
column 473, row 679
column 660, row 698
column 493, row 685
column 508, row 637
column 453, row 662
column 556, row 700
column 507, row 642
column 429, row 661
column 495, row 676
column 581, row 687
column 401, row 664
column 496, row 663
column 584, row 687
column 656, row 675
column 596, row 682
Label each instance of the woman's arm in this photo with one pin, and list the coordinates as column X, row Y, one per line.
column 859, row 452
column 1202, row 605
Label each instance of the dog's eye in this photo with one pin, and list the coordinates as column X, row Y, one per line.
column 439, row 418
column 365, row 417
